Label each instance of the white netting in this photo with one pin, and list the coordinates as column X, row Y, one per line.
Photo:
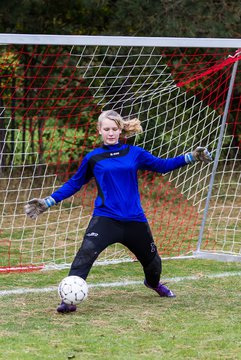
column 50, row 123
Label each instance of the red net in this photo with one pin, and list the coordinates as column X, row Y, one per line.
column 50, row 98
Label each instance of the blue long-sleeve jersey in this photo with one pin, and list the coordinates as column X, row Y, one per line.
column 115, row 170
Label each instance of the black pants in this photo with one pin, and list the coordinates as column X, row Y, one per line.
column 136, row 236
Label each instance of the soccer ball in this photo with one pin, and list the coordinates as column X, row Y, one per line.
column 73, row 290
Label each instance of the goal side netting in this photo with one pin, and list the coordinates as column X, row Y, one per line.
column 50, row 97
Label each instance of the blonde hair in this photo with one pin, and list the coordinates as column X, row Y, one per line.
column 129, row 126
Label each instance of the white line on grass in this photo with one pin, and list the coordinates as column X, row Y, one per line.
column 121, row 283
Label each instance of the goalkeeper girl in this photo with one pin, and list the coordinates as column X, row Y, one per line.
column 118, row 216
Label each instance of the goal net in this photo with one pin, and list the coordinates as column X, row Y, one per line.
column 185, row 93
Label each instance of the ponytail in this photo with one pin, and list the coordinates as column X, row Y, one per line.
column 132, row 126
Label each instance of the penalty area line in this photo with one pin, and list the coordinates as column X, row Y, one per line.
column 24, row 291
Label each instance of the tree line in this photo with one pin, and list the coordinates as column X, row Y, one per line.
column 167, row 18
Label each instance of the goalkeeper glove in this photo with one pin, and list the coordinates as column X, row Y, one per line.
column 200, row 154
column 35, row 207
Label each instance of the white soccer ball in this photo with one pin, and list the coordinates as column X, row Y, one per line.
column 73, row 290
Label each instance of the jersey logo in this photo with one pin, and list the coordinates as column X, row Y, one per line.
column 115, row 153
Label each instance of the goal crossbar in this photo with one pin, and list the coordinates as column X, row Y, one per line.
column 85, row 40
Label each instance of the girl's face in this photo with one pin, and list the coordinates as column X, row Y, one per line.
column 109, row 131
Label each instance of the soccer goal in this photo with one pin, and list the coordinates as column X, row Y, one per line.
column 186, row 92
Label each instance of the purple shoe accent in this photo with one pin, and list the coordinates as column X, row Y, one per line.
column 161, row 289
column 65, row 308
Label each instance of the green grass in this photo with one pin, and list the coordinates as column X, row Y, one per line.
column 131, row 322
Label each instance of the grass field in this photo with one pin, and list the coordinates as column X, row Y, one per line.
column 126, row 322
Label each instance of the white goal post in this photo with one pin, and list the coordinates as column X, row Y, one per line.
column 185, row 91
